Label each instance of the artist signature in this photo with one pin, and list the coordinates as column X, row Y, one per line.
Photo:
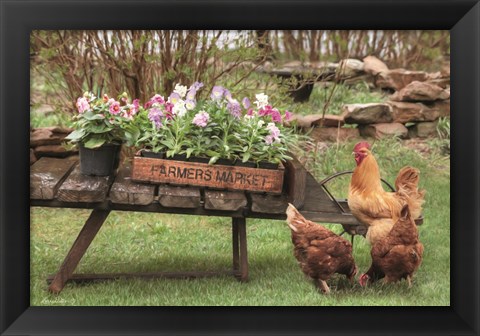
column 56, row 301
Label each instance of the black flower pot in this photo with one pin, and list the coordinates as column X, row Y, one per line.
column 249, row 164
column 198, row 159
column 267, row 165
column 177, row 157
column 101, row 161
column 225, row 162
column 153, row 155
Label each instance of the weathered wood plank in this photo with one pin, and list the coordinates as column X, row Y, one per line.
column 54, row 150
column 179, row 197
column 271, row 204
column 46, row 175
column 200, row 174
column 225, row 200
column 316, row 199
column 82, row 188
column 295, row 182
column 78, row 249
column 79, row 278
column 241, row 225
column 125, row 191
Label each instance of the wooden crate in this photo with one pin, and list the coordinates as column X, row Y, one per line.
column 154, row 170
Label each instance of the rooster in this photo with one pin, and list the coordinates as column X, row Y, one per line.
column 372, row 206
column 398, row 255
column 319, row 251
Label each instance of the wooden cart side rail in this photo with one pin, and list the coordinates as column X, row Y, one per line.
column 324, row 217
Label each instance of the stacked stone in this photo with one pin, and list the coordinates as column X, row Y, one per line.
column 49, row 141
column 418, row 101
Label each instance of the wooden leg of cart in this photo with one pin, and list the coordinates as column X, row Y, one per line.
column 235, row 248
column 240, row 255
column 78, row 249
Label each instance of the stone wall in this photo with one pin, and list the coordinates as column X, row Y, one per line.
column 48, row 141
column 416, row 101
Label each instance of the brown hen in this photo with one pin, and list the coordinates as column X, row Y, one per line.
column 319, row 251
column 398, row 255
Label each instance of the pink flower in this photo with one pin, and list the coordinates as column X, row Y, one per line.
column 82, row 104
column 274, row 134
column 168, row 110
column 201, row 119
column 155, row 99
column 128, row 113
column 135, row 106
column 276, row 116
column 288, row 115
column 114, row 108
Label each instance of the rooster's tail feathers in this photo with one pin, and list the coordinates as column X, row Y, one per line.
column 406, row 185
column 407, row 178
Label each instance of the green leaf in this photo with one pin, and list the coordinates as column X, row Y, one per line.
column 246, row 157
column 75, row 135
column 212, row 153
column 94, row 143
column 213, row 159
column 89, row 115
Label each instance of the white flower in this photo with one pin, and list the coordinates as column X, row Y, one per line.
column 262, row 100
column 181, row 90
column 89, row 96
column 260, row 123
column 179, row 108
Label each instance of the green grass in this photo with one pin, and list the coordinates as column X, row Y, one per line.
column 142, row 242
column 335, row 96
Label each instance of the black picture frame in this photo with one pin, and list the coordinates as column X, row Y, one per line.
column 19, row 17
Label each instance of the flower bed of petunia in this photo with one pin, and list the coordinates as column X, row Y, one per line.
column 219, row 127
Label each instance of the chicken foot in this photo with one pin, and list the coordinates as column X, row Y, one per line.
column 322, row 285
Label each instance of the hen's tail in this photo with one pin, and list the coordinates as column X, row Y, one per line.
column 406, row 185
column 295, row 220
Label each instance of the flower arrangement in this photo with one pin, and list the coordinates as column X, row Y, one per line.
column 104, row 121
column 219, row 127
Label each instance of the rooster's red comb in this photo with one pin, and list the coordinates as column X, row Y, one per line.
column 361, row 145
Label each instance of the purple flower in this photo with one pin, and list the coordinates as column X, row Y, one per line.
column 227, row 94
column 174, row 97
column 155, row 115
column 191, row 94
column 82, row 104
column 196, row 86
column 246, row 103
column 201, row 119
column 234, row 108
column 217, row 92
